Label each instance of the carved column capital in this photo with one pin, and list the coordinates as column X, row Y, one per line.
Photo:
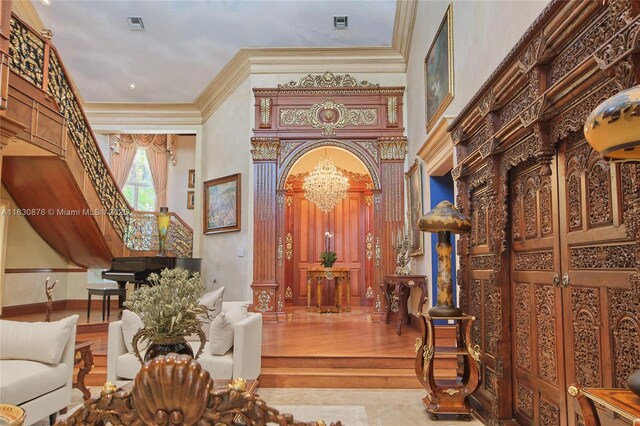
column 392, row 148
column 265, row 149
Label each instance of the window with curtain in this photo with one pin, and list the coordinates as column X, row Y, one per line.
column 139, row 189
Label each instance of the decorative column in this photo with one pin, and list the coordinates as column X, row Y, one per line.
column 265, row 155
column 391, row 217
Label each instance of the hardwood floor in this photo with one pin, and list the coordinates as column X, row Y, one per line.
column 345, row 350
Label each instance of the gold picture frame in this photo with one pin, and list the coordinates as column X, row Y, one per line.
column 191, row 183
column 414, row 200
column 438, row 68
column 222, row 204
column 191, row 199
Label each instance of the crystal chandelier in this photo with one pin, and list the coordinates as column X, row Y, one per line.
column 325, row 186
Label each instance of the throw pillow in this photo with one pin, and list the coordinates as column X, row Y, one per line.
column 213, row 301
column 131, row 323
column 221, row 332
column 35, row 341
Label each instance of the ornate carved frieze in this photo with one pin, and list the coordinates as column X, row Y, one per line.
column 618, row 47
column 624, row 320
column 392, row 148
column 478, row 139
column 487, row 102
column 492, row 318
column 265, row 113
column 514, row 107
column 586, row 311
column 264, row 299
column 546, row 209
column 545, row 303
column 265, row 149
column 533, row 261
column 328, row 115
column 480, row 177
column 490, row 381
column 327, row 80
column 523, row 325
column 392, row 111
column 533, row 112
column 599, row 193
column 475, row 293
column 549, row 414
column 531, row 55
column 371, row 149
column 287, row 148
column 524, row 400
column 630, row 186
column 621, row 256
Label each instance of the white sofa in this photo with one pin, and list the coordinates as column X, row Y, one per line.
column 36, row 366
column 242, row 360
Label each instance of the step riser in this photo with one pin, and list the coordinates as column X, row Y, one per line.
column 267, row 381
column 286, row 362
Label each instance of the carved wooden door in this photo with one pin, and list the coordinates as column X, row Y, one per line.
column 347, row 222
column 538, row 356
column 575, row 319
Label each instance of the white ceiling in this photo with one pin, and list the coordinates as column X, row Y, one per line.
column 187, row 42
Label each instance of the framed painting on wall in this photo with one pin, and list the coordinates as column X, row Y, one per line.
column 191, row 183
column 222, row 204
column 414, row 184
column 191, row 199
column 438, row 66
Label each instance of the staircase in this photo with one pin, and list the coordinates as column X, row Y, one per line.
column 54, row 170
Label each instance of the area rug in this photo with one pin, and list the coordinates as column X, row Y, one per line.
column 351, row 415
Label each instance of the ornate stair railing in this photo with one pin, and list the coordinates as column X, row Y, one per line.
column 37, row 61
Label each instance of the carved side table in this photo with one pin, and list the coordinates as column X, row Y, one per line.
column 621, row 401
column 447, row 397
column 341, row 277
column 84, row 358
column 400, row 286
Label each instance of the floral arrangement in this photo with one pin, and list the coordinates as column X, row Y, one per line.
column 401, row 251
column 327, row 257
column 170, row 307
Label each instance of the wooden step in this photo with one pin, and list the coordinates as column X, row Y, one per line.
column 441, row 362
column 359, row 378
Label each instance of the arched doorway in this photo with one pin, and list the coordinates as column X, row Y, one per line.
column 292, row 120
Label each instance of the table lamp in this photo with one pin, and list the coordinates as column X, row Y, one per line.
column 444, row 219
column 164, row 218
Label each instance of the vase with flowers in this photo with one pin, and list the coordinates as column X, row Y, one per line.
column 328, row 257
column 170, row 311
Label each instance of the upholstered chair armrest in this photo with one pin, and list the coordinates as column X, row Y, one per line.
column 235, row 306
column 115, row 348
column 68, row 355
column 247, row 347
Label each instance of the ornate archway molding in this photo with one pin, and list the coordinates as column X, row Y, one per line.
column 293, row 119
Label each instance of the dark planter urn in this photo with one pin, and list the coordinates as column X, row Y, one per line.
column 634, row 382
column 179, row 346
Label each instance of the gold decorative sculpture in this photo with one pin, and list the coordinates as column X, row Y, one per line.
column 49, row 292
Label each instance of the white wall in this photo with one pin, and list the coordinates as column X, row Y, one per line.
column 483, row 34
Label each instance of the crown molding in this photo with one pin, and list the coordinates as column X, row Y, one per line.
column 403, row 25
column 437, row 149
column 122, row 114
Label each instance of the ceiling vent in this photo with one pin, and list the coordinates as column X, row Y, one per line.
column 135, row 23
column 340, row 22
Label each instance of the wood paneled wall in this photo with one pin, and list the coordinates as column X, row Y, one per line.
column 551, row 266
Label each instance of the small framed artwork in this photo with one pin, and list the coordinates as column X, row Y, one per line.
column 439, row 71
column 222, row 204
column 191, row 199
column 414, row 183
column 192, row 179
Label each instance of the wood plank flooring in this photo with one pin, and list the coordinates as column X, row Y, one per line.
column 345, row 350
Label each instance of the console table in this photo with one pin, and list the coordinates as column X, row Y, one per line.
column 447, row 397
column 341, row 277
column 400, row 286
column 621, row 401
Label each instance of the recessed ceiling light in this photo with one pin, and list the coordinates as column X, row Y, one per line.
column 135, row 23
column 46, row 2
column 132, row 86
column 340, row 22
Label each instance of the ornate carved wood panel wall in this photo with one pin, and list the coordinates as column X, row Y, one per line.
column 295, row 118
column 554, row 207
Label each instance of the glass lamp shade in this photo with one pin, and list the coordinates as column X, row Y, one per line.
column 164, row 218
column 613, row 127
column 444, row 217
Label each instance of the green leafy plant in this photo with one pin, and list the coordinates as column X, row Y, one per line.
column 328, row 258
column 170, row 307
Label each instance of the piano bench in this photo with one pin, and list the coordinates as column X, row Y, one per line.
column 106, row 292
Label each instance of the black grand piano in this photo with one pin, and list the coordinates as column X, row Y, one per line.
column 136, row 270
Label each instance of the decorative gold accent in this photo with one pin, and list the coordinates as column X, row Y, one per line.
column 418, row 344
column 368, row 240
column 239, row 385
column 369, row 293
column 474, row 352
column 451, row 391
column 280, row 251
column 288, row 187
column 328, row 79
column 328, row 116
column 288, row 293
column 573, row 390
column 46, row 33
column 280, row 303
column 368, row 200
column 289, row 200
column 392, row 112
column 378, row 251
column 392, row 148
column 265, row 148
column 264, row 301
column 265, row 113
column 378, row 305
column 108, row 388
column 77, row 357
column 289, row 246
column 427, row 355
